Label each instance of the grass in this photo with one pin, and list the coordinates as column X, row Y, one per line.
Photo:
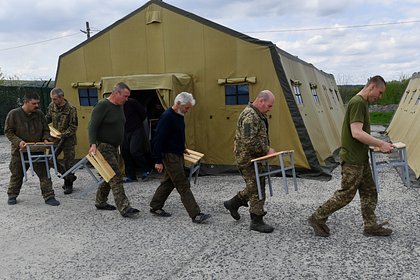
column 383, row 118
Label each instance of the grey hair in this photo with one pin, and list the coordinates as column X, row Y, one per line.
column 120, row 86
column 184, row 98
column 57, row 91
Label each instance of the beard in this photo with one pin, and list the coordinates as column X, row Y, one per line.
column 180, row 112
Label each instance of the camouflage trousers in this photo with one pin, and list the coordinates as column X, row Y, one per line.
column 174, row 177
column 110, row 154
column 67, row 161
column 250, row 193
column 16, row 178
column 354, row 178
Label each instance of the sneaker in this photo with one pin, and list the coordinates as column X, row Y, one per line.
column 11, row 201
column 200, row 218
column 68, row 189
column 377, row 230
column 145, row 176
column 320, row 228
column 160, row 212
column 52, row 201
column 129, row 180
column 131, row 213
column 106, row 207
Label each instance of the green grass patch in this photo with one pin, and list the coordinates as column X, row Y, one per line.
column 383, row 118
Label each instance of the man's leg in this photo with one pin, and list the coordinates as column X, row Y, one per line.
column 162, row 192
column 16, row 179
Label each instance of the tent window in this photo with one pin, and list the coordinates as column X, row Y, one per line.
column 332, row 94
column 418, row 100
column 336, row 94
column 295, row 85
column 236, row 94
column 88, row 96
column 314, row 92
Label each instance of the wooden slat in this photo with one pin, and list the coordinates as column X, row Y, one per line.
column 54, row 132
column 101, row 165
column 193, row 156
column 38, row 146
column 272, row 155
column 397, row 145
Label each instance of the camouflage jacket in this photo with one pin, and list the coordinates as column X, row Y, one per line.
column 251, row 137
column 20, row 126
column 64, row 119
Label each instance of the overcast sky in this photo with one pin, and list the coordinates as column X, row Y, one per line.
column 351, row 39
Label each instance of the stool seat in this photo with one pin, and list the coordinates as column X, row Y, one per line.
column 100, row 165
column 399, row 161
column 264, row 161
column 194, row 158
column 38, row 152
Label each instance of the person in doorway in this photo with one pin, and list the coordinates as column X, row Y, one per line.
column 25, row 125
column 356, row 172
column 63, row 117
column 106, row 133
column 136, row 142
column 169, row 147
column 252, row 141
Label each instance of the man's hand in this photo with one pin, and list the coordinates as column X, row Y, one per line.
column 92, row 149
column 159, row 167
column 271, row 151
column 386, row 147
column 22, row 144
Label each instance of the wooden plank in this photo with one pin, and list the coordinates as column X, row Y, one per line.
column 397, row 145
column 272, row 155
column 38, row 146
column 193, row 156
column 101, row 165
column 54, row 132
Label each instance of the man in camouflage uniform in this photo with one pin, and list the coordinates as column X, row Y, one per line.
column 356, row 172
column 63, row 117
column 251, row 141
column 27, row 124
column 106, row 134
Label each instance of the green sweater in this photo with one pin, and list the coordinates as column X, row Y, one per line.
column 107, row 123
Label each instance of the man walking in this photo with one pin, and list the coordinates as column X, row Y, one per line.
column 251, row 141
column 23, row 125
column 356, row 172
column 106, row 134
column 63, row 117
column 169, row 147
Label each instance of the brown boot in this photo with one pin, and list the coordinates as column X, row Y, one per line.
column 377, row 230
column 233, row 206
column 319, row 226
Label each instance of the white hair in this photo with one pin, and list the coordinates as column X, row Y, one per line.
column 184, row 98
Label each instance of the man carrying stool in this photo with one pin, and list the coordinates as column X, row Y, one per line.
column 251, row 141
column 355, row 168
column 23, row 125
column 63, row 117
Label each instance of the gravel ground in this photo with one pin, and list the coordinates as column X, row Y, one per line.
column 75, row 241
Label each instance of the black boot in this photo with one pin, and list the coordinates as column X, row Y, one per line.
column 258, row 224
column 233, row 205
column 68, row 186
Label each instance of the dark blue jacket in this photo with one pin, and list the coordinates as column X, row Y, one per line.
column 170, row 135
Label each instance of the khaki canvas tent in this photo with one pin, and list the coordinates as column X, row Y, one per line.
column 160, row 50
column 405, row 127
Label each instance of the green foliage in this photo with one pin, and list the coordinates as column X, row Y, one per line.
column 383, row 118
column 393, row 92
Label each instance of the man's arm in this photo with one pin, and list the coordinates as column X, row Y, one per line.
column 73, row 123
column 359, row 134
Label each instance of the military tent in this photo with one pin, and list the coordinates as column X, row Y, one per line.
column 160, row 50
column 403, row 127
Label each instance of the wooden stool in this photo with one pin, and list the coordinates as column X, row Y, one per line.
column 99, row 163
column 38, row 152
column 194, row 158
column 400, row 162
column 264, row 160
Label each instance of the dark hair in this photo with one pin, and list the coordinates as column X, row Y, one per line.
column 30, row 96
column 377, row 80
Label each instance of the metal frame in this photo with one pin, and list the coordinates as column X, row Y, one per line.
column 48, row 153
column 264, row 160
